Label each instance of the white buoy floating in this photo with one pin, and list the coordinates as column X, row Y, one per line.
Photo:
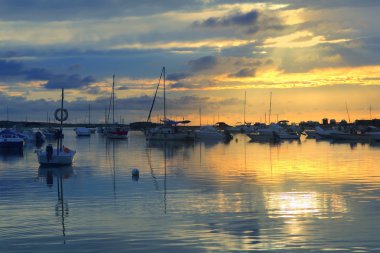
column 135, row 174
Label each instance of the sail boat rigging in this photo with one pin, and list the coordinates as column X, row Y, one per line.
column 115, row 131
column 61, row 155
column 169, row 130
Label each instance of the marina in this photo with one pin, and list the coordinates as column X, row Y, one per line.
column 291, row 196
column 200, row 126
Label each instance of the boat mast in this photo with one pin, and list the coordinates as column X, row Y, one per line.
column 113, row 99
column 270, row 106
column 154, row 98
column 163, row 70
column 200, row 116
column 89, row 116
column 349, row 120
column 59, row 144
column 245, row 102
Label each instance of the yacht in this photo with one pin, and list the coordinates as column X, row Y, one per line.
column 10, row 141
column 210, row 132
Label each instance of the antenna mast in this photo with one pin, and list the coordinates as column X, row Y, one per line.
column 270, row 106
column 349, row 120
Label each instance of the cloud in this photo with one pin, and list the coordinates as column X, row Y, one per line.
column 177, row 76
column 11, row 68
column 54, row 81
column 246, row 72
column 236, row 19
column 178, row 85
column 203, row 63
column 68, row 81
column 251, row 22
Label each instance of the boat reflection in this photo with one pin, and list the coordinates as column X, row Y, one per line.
column 171, row 148
column 208, row 143
column 111, row 144
column 153, row 173
column 62, row 206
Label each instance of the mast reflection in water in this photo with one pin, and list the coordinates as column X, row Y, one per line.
column 62, row 207
column 241, row 196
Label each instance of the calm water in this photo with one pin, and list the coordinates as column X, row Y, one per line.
column 307, row 196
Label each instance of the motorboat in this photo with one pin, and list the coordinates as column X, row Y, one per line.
column 31, row 136
column 82, row 131
column 61, row 155
column 241, row 128
column 210, row 132
column 50, row 133
column 311, row 133
column 326, row 133
column 266, row 137
column 279, row 132
column 10, row 141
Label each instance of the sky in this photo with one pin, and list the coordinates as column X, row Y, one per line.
column 318, row 59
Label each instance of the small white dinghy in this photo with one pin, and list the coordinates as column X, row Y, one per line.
column 61, row 155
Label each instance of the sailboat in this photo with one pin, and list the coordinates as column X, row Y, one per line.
column 61, row 155
column 115, row 131
column 169, row 130
column 244, row 127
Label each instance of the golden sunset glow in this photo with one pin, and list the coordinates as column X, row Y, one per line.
column 309, row 56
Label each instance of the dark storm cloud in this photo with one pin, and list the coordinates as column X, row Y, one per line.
column 240, row 19
column 178, row 85
column 251, row 22
column 203, row 63
column 246, row 72
column 177, row 76
column 38, row 74
column 11, row 68
column 18, row 69
column 68, row 81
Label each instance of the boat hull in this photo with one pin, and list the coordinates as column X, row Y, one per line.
column 268, row 137
column 83, row 131
column 10, row 142
column 352, row 137
column 171, row 136
column 61, row 158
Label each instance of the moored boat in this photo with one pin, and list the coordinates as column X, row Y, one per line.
column 115, row 131
column 210, row 132
column 11, row 142
column 169, row 131
column 83, row 131
column 61, row 155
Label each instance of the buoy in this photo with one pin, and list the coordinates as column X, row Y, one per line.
column 135, row 174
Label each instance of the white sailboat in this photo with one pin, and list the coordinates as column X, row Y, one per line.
column 169, row 130
column 61, row 155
